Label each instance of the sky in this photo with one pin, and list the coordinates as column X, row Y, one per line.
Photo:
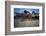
column 21, row 10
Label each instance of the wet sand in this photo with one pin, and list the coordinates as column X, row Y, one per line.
column 26, row 23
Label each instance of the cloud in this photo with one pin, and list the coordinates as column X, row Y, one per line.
column 21, row 10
